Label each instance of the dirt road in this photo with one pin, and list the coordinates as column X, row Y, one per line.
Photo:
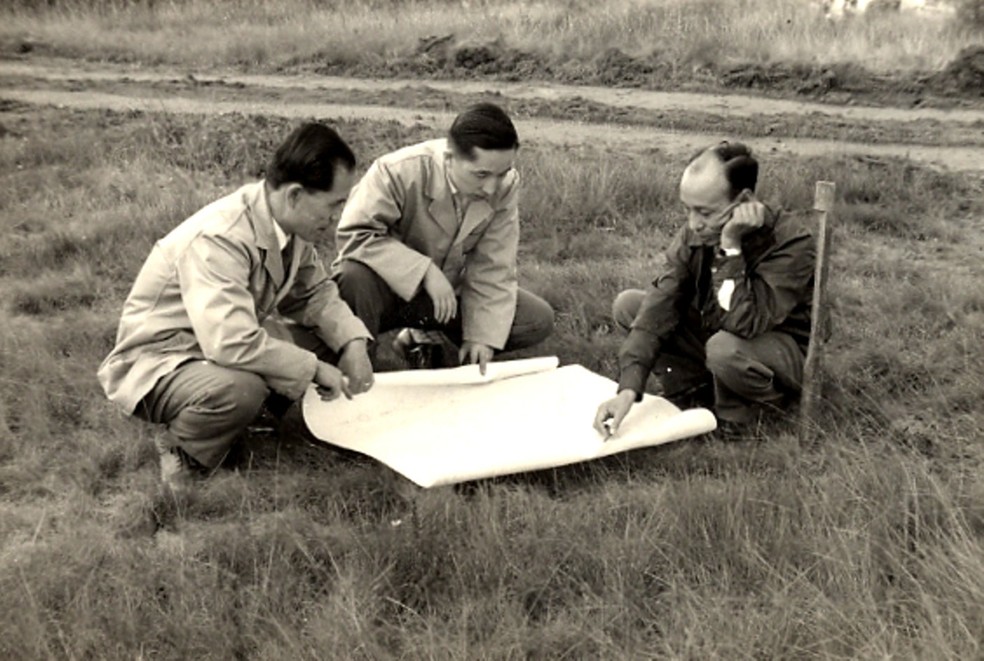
column 84, row 85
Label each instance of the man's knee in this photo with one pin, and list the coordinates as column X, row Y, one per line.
column 534, row 322
column 722, row 354
column 356, row 281
column 235, row 400
column 626, row 306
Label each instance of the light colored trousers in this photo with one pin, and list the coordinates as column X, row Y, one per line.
column 206, row 407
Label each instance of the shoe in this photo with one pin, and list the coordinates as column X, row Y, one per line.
column 179, row 472
column 276, row 405
column 423, row 350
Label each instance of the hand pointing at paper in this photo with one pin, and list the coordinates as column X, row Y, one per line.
column 473, row 352
column 611, row 413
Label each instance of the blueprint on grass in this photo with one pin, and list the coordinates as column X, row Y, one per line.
column 452, row 425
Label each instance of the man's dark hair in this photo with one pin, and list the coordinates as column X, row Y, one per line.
column 309, row 157
column 740, row 166
column 483, row 125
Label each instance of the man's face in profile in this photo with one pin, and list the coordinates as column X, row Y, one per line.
column 313, row 214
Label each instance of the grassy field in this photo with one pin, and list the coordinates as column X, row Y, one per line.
column 617, row 41
column 871, row 546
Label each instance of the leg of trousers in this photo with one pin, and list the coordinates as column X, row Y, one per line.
column 746, row 373
column 381, row 310
column 205, row 408
column 751, row 373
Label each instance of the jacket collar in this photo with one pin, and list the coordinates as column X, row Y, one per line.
column 265, row 229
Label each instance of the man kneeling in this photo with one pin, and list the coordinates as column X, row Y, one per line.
column 727, row 322
column 234, row 304
column 428, row 241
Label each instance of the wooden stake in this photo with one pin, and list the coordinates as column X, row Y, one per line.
column 823, row 205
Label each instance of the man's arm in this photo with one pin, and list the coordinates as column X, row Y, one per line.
column 657, row 318
column 763, row 295
column 490, row 284
column 213, row 274
column 374, row 207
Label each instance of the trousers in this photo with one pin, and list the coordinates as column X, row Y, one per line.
column 746, row 373
column 381, row 310
column 206, row 407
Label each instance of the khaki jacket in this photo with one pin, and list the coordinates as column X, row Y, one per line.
column 400, row 217
column 204, row 293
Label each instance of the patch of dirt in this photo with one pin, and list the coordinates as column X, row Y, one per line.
column 81, row 73
column 617, row 68
column 444, row 56
column 964, row 75
column 630, row 119
column 573, row 108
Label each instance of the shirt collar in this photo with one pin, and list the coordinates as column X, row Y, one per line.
column 447, row 175
column 282, row 237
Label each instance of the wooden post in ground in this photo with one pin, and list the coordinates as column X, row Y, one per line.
column 823, row 205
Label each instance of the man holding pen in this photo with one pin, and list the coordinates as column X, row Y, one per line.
column 727, row 322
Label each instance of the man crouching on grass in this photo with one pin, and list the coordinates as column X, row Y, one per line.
column 234, row 304
column 727, row 322
column 428, row 244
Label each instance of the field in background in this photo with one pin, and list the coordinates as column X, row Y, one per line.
column 872, row 546
column 762, row 44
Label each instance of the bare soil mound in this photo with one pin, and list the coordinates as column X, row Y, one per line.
column 964, row 75
column 444, row 56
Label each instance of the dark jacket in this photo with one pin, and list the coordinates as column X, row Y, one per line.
column 773, row 279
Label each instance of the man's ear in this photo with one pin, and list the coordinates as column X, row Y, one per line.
column 292, row 194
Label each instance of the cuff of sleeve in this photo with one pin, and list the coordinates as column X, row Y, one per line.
column 633, row 377
column 294, row 389
column 344, row 332
column 496, row 342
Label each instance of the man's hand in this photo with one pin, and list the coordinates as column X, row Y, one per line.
column 331, row 382
column 612, row 412
column 473, row 352
column 747, row 216
column 355, row 364
column 442, row 293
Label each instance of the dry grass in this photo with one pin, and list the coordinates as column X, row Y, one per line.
column 690, row 34
column 870, row 547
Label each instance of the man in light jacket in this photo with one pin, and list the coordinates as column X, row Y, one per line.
column 428, row 240
column 234, row 304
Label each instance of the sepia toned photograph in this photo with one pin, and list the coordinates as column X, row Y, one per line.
column 491, row 329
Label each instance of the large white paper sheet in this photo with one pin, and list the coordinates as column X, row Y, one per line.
column 452, row 425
